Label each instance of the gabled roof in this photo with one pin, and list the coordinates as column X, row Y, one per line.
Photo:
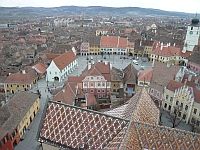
column 142, row 136
column 167, row 51
column 64, row 60
column 145, row 75
column 66, row 126
column 39, row 68
column 99, row 68
column 72, row 127
column 174, row 85
column 130, row 74
column 68, row 94
column 167, row 74
column 140, row 108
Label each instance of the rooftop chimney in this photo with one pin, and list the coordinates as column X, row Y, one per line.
column 189, row 77
column 161, row 46
column 89, row 65
column 23, row 71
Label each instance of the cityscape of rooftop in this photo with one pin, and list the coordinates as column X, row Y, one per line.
column 99, row 75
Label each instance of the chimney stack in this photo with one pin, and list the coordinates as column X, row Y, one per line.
column 23, row 71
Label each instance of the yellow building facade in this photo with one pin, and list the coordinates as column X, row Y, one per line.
column 28, row 118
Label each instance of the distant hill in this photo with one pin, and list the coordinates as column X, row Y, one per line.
column 10, row 12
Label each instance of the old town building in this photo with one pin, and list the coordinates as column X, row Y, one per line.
column 16, row 117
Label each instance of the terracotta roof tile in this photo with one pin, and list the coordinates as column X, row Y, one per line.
column 20, row 78
column 65, row 59
column 40, row 68
column 145, row 75
column 78, row 128
column 113, row 42
column 146, row 136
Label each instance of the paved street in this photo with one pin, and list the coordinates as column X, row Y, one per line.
column 114, row 59
column 30, row 141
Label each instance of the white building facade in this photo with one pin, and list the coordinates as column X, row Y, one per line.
column 61, row 66
column 192, row 36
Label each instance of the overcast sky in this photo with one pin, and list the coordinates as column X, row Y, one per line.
column 192, row 6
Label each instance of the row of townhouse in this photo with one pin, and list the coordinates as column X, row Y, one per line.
column 107, row 45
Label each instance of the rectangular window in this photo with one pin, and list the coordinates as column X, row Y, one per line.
column 171, row 99
column 165, row 105
column 169, row 107
column 167, row 96
column 177, row 102
column 186, row 107
column 195, row 111
column 184, row 116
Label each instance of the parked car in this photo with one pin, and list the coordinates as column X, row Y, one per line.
column 135, row 62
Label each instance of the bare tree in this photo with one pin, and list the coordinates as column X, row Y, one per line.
column 174, row 116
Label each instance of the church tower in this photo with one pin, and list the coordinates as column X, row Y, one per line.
column 192, row 35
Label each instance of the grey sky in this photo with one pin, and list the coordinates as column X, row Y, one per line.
column 191, row 6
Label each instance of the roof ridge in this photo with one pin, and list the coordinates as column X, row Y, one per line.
column 88, row 110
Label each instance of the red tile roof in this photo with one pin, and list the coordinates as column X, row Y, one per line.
column 145, row 75
column 173, row 85
column 99, row 68
column 64, row 60
column 72, row 127
column 168, row 51
column 67, row 95
column 20, row 78
column 40, row 68
column 113, row 42
column 142, row 136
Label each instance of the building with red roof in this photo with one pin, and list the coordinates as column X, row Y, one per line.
column 115, row 45
column 61, row 66
column 169, row 54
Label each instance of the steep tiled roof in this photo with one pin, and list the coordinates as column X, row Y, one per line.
column 130, row 74
column 65, row 59
column 66, row 126
column 40, row 68
column 145, row 75
column 113, row 42
column 145, row 136
column 68, row 94
column 72, row 127
column 167, row 74
column 99, row 68
column 15, row 110
column 140, row 108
